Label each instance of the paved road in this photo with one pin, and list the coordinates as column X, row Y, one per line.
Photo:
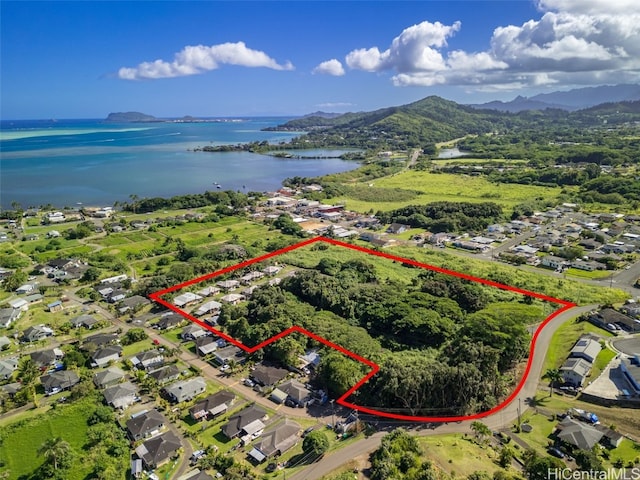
column 503, row 418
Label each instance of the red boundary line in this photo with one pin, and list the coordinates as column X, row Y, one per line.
column 374, row 367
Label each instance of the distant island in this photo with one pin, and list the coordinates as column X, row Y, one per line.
column 138, row 117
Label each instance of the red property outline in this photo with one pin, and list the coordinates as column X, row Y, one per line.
column 374, row 367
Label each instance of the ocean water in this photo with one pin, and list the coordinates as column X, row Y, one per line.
column 71, row 162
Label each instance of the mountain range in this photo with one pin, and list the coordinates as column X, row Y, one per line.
column 570, row 100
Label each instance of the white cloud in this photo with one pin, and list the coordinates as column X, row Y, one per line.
column 330, row 67
column 195, row 59
column 335, row 105
column 573, row 42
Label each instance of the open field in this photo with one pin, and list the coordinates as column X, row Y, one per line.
column 449, row 187
column 22, row 439
column 459, row 454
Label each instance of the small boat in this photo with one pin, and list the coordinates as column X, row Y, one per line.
column 218, row 185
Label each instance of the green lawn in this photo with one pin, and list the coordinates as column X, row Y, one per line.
column 448, row 187
column 22, row 439
column 602, row 360
column 595, row 275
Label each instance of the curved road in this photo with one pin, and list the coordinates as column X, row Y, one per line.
column 496, row 421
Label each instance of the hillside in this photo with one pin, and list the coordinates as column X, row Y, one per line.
column 131, row 117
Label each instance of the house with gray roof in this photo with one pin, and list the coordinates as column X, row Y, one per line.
column 148, row 360
column 167, row 322
column 185, row 390
column 224, row 355
column 7, row 367
column 165, row 374
column 99, row 340
column 268, row 376
column 212, row 406
column 158, row 450
column 276, row 441
column 208, row 307
column 5, row 343
column 58, row 381
column 145, row 424
column 586, row 348
column 193, row 332
column 36, row 333
column 206, row 345
column 630, row 368
column 8, row 316
column 242, row 419
column 102, row 356
column 133, row 303
column 86, row 321
column 578, row 434
column 108, row 377
column 296, row 392
column 47, row 358
column 121, row 395
column 575, row 371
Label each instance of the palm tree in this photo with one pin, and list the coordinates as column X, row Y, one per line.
column 554, row 376
column 28, row 373
column 481, row 430
column 54, row 450
column 134, row 201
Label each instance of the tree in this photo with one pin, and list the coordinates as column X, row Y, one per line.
column 554, row 376
column 91, row 275
column 28, row 374
column 56, row 452
column 15, row 280
column 587, row 460
column 506, row 455
column 480, row 430
column 315, row 443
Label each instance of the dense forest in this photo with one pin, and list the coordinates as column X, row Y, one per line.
column 430, row 336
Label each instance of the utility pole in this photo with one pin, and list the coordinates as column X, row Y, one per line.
column 519, row 410
column 333, row 413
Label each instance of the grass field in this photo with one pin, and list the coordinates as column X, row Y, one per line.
column 602, row 360
column 22, row 440
column 449, row 187
column 459, row 455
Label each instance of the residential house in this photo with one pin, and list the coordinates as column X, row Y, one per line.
column 247, row 292
column 196, row 475
column 577, row 434
column 206, row 345
column 11, row 388
column 268, row 376
column 587, row 266
column 630, row 368
column 212, row 406
column 228, row 285
column 7, row 367
column 86, row 321
column 186, row 390
column 224, row 355
column 47, row 358
column 165, row 374
column 108, row 377
column 145, row 425
column 575, row 371
column 169, row 321
column 133, row 303
column 208, row 307
column 117, row 295
column 553, row 262
column 311, row 359
column 148, row 360
column 8, row 316
column 250, row 277
column 587, row 348
column 186, row 299
column 36, row 333
column 232, row 298
column 276, row 441
column 104, row 355
column 241, row 420
column 208, row 291
column 58, row 381
column 121, row 395
column 5, row 343
column 56, row 306
column 296, row 392
column 610, row 438
column 24, row 289
column 158, row 450
column 193, row 332
column 99, row 340
column 397, row 228
column 272, row 270
column 609, row 316
column 19, row 304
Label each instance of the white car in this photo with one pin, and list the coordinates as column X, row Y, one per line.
column 224, row 368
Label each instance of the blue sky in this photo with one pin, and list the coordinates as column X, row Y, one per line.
column 205, row 58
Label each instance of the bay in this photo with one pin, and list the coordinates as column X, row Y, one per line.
column 68, row 162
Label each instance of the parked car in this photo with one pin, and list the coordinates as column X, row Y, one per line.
column 224, row 368
column 555, row 452
column 307, row 431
